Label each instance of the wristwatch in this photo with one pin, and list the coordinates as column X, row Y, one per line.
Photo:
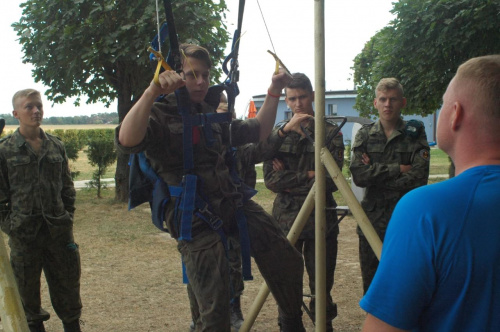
column 282, row 131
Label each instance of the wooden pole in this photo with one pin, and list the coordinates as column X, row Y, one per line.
column 356, row 209
column 319, row 139
column 11, row 308
column 293, row 235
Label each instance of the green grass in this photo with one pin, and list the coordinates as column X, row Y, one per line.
column 439, row 162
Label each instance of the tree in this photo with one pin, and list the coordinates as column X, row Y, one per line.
column 98, row 49
column 101, row 153
column 423, row 46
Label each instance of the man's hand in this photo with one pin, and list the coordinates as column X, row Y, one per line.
column 404, row 168
column 278, row 165
column 169, row 82
column 295, row 121
column 365, row 159
column 279, row 82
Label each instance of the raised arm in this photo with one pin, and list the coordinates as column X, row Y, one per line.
column 134, row 125
column 267, row 113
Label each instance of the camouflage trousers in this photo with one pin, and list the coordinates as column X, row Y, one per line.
column 59, row 259
column 207, row 269
column 307, row 248
column 368, row 260
column 235, row 276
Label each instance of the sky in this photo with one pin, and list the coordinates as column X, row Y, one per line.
column 348, row 26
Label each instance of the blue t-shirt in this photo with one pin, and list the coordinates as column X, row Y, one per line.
column 440, row 266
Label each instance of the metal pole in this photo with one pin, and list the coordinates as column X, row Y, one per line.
column 293, row 235
column 11, row 308
column 319, row 138
column 356, row 209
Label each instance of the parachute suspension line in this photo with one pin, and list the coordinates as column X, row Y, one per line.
column 158, row 25
column 278, row 61
column 157, row 53
column 265, row 24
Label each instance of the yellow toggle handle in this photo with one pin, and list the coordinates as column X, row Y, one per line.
column 278, row 64
column 161, row 63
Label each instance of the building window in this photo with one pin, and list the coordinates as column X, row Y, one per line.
column 288, row 115
column 332, row 109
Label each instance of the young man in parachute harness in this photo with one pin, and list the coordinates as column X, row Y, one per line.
column 204, row 204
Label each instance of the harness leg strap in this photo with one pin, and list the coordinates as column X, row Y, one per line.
column 244, row 244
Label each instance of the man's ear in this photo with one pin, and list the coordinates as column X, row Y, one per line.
column 404, row 102
column 14, row 114
column 457, row 116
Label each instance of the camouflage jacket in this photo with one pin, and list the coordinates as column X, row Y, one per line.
column 292, row 184
column 163, row 146
column 246, row 157
column 35, row 188
column 384, row 182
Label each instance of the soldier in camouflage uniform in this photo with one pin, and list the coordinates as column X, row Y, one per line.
column 290, row 174
column 391, row 157
column 245, row 158
column 37, row 205
column 157, row 129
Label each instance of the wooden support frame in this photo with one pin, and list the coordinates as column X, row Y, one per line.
column 11, row 308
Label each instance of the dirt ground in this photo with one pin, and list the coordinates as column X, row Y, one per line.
column 132, row 281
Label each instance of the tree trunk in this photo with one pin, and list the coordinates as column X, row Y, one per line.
column 121, row 178
column 122, row 169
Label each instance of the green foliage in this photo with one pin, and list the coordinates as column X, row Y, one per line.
column 100, row 118
column 72, row 141
column 72, row 144
column 101, row 153
column 347, row 160
column 98, row 48
column 423, row 46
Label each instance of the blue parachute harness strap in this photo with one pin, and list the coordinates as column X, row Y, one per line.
column 200, row 209
column 146, row 186
column 244, row 244
column 185, row 279
column 187, row 206
column 241, row 220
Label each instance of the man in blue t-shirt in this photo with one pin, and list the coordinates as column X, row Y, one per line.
column 440, row 265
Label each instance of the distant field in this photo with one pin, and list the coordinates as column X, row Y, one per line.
column 52, row 127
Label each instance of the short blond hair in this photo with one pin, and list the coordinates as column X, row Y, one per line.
column 197, row 52
column 483, row 74
column 24, row 93
column 389, row 83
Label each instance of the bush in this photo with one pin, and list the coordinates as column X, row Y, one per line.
column 72, row 143
column 101, row 153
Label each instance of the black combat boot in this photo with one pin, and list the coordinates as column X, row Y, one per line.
column 236, row 314
column 36, row 327
column 73, row 326
column 291, row 324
